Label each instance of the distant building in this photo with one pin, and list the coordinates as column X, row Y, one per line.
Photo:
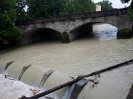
column 98, row 7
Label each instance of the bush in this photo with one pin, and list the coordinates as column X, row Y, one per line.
column 65, row 37
column 8, row 31
column 124, row 33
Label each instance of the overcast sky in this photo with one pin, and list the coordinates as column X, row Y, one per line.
column 116, row 3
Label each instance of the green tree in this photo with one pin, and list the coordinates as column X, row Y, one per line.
column 39, row 8
column 20, row 6
column 126, row 1
column 78, row 6
column 8, row 31
column 83, row 6
column 61, row 6
column 68, row 8
column 130, row 11
column 45, row 8
column 106, row 5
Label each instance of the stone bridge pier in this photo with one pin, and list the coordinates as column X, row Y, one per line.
column 74, row 25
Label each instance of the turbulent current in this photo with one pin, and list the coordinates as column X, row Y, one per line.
column 81, row 56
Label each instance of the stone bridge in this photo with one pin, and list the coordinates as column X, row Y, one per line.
column 74, row 25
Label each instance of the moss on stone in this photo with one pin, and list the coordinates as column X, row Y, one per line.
column 65, row 37
column 124, row 33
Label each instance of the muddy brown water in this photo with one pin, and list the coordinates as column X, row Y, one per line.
column 81, row 56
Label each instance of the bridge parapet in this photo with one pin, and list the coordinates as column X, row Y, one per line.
column 72, row 17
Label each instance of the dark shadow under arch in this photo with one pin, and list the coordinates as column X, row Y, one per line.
column 39, row 34
column 84, row 30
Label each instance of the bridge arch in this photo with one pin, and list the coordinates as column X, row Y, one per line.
column 89, row 30
column 70, row 23
column 39, row 34
column 84, row 29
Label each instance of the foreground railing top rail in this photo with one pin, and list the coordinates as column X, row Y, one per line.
column 104, row 13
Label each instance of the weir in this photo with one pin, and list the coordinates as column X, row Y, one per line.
column 45, row 77
column 23, row 70
column 74, row 90
column 7, row 65
column 71, row 92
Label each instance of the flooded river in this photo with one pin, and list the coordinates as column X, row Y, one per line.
column 82, row 56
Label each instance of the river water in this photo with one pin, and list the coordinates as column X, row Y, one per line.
column 82, row 56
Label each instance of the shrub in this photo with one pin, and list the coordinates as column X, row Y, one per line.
column 8, row 31
column 65, row 37
column 124, row 33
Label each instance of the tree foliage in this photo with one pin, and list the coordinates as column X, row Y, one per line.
column 76, row 7
column 130, row 14
column 106, row 5
column 45, row 8
column 127, row 1
column 39, row 8
column 20, row 6
column 130, row 11
column 8, row 31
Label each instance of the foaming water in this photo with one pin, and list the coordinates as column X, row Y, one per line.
column 13, row 89
column 81, row 56
column 104, row 31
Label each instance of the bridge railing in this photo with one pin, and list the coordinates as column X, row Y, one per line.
column 72, row 17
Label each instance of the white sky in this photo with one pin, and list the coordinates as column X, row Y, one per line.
column 115, row 3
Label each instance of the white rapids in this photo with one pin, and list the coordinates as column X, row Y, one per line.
column 13, row 89
column 104, row 31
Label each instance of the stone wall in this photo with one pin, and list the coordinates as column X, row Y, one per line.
column 72, row 23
